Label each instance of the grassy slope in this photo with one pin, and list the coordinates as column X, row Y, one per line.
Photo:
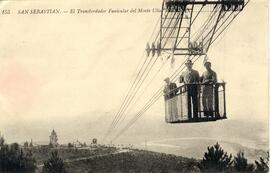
column 134, row 161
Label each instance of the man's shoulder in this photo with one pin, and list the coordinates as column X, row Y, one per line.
column 205, row 73
column 213, row 72
column 174, row 84
column 194, row 71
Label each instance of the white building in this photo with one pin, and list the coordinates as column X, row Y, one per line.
column 53, row 139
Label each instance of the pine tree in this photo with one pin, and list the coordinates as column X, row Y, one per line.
column 2, row 141
column 13, row 159
column 54, row 164
column 241, row 163
column 262, row 165
column 26, row 144
column 215, row 159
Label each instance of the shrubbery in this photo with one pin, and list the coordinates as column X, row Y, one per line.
column 241, row 163
column 216, row 160
column 13, row 159
column 54, row 164
column 262, row 165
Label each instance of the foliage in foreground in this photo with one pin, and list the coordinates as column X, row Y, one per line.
column 217, row 160
column 241, row 163
column 13, row 159
column 54, row 164
column 262, row 165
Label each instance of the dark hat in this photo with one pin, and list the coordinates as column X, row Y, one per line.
column 189, row 62
column 207, row 63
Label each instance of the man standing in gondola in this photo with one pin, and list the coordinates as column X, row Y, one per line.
column 191, row 78
column 170, row 89
column 208, row 79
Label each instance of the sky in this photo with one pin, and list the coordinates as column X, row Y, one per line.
column 62, row 69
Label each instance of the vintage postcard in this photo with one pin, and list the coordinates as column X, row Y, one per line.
column 134, row 86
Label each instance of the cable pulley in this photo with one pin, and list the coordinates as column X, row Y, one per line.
column 154, row 49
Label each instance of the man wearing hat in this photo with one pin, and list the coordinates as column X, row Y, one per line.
column 208, row 78
column 169, row 4
column 191, row 77
column 170, row 89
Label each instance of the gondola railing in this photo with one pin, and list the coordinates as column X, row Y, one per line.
column 211, row 103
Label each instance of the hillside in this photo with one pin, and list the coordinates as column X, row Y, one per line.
column 109, row 159
column 138, row 161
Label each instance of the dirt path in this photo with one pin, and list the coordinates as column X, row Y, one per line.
column 89, row 157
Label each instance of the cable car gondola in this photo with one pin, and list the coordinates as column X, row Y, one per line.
column 178, row 108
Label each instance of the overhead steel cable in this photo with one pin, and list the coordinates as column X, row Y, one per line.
column 116, row 119
column 207, row 21
column 184, row 33
column 171, row 32
column 158, row 93
column 135, row 89
column 164, row 63
column 148, row 84
column 168, row 26
column 156, row 96
column 146, row 58
column 229, row 23
column 193, row 20
column 130, row 89
column 138, row 74
column 222, row 23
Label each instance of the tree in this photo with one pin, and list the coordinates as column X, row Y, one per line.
column 191, row 166
column 13, row 159
column 26, row 144
column 54, row 164
column 2, row 141
column 28, row 162
column 31, row 144
column 215, row 159
column 15, row 147
column 262, row 165
column 70, row 145
column 241, row 163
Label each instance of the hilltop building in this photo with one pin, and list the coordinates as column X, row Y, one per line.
column 78, row 144
column 53, row 139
